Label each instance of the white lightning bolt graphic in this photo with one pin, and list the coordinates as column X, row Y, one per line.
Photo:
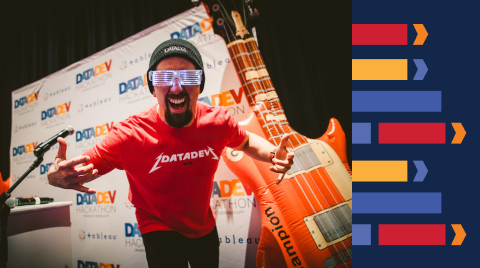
column 156, row 163
column 214, row 155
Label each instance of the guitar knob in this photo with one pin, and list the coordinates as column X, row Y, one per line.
column 196, row 3
column 254, row 14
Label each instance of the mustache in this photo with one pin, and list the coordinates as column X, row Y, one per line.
column 177, row 96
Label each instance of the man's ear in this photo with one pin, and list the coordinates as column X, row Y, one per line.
column 155, row 95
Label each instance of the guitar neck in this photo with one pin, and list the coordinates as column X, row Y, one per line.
column 264, row 101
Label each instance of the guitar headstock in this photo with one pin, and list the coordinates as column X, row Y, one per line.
column 230, row 19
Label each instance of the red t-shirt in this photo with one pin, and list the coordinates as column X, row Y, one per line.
column 170, row 170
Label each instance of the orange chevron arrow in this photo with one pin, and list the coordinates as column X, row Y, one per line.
column 459, row 133
column 421, row 34
column 459, row 234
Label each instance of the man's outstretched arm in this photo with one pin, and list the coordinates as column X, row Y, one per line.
column 71, row 174
column 260, row 149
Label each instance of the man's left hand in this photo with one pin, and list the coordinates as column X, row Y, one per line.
column 283, row 159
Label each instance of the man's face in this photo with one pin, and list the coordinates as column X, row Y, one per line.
column 176, row 104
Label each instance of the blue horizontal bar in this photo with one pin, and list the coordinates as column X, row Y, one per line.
column 397, row 203
column 396, row 101
column 361, row 234
column 361, row 133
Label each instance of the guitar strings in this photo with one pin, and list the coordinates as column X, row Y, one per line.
column 291, row 144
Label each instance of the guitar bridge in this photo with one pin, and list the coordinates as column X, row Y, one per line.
column 330, row 226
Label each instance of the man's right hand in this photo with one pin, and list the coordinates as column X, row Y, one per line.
column 71, row 174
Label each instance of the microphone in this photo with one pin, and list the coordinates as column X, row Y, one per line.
column 45, row 146
column 14, row 202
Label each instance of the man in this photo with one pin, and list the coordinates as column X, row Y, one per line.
column 170, row 154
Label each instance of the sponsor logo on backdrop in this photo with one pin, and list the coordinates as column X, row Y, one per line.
column 18, row 128
column 90, row 136
column 24, row 153
column 230, row 99
column 139, row 59
column 56, row 115
column 100, row 204
column 94, row 264
column 25, row 104
column 87, row 106
column 128, row 204
column 43, row 172
column 223, row 203
column 216, row 63
column 134, row 89
column 232, row 239
column 97, row 236
column 55, row 92
column 198, row 34
column 183, row 157
column 133, row 237
column 94, row 77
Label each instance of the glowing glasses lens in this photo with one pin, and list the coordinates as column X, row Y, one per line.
column 166, row 77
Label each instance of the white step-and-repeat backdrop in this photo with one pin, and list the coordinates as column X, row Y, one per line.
column 101, row 90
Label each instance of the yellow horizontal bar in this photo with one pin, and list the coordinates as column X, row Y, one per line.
column 380, row 171
column 379, row 69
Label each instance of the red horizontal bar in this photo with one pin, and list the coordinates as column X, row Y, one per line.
column 411, row 234
column 411, row 133
column 379, row 34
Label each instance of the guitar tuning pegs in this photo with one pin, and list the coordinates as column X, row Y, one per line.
column 249, row 2
column 196, row 3
column 254, row 14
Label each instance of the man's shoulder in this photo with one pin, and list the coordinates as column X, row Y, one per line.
column 212, row 113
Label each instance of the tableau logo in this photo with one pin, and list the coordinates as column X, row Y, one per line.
column 94, row 72
column 100, row 204
column 56, row 111
column 25, row 149
column 192, row 30
column 93, row 132
column 26, row 100
column 134, row 89
column 92, row 264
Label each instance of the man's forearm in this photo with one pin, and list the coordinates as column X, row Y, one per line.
column 258, row 148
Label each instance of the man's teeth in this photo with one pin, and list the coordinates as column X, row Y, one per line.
column 177, row 101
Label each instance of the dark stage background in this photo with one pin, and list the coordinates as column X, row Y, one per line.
column 306, row 47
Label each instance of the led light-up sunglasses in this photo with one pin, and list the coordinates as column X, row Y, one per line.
column 167, row 77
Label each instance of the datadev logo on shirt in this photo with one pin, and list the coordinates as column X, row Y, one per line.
column 183, row 157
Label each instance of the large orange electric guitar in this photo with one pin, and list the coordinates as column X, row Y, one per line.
column 307, row 218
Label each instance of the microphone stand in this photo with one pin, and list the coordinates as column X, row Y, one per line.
column 5, row 212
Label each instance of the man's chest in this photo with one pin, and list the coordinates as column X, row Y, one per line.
column 165, row 156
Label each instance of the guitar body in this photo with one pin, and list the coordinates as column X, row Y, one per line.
column 290, row 236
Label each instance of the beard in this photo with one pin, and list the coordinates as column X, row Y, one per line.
column 178, row 120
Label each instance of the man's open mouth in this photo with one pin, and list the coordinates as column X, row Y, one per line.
column 178, row 105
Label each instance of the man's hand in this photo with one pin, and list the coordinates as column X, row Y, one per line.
column 283, row 159
column 71, row 174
